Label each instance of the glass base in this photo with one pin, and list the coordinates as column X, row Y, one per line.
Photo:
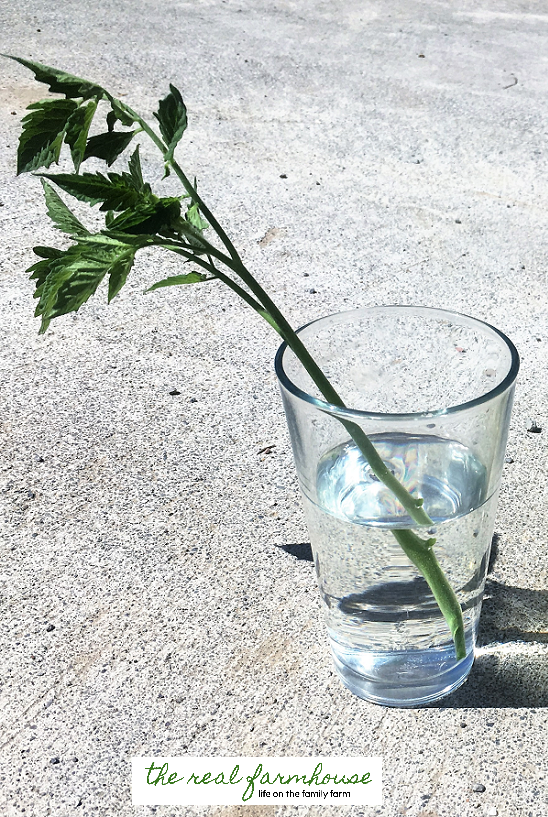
column 401, row 678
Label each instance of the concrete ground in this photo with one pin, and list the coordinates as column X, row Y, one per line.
column 358, row 153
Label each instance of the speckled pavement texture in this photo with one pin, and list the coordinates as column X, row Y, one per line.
column 358, row 153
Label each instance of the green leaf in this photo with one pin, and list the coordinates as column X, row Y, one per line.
column 136, row 173
column 177, row 280
column 60, row 82
column 41, row 269
column 149, row 218
column 66, row 281
column 43, row 132
column 108, row 146
column 63, row 218
column 119, row 113
column 119, row 273
column 115, row 191
column 172, row 117
column 77, row 131
column 111, row 121
column 47, row 252
column 193, row 216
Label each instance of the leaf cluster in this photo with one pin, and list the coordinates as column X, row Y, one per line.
column 54, row 122
column 134, row 216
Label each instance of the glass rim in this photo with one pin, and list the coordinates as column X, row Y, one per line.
column 330, row 408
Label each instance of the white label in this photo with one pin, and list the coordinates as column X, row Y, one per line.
column 267, row 781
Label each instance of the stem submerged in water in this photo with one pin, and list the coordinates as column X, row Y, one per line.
column 418, row 551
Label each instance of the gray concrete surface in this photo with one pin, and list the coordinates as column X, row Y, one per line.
column 374, row 153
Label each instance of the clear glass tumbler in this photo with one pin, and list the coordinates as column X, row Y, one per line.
column 433, row 391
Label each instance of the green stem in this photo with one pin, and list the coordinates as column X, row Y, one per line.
column 208, row 215
column 417, row 550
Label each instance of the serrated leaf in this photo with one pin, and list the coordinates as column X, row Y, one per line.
column 43, row 133
column 68, row 280
column 62, row 217
column 108, row 146
column 60, row 82
column 172, row 118
column 114, row 191
column 77, row 131
column 177, row 280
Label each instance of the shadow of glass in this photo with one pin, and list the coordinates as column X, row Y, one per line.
column 503, row 676
column 513, row 614
column 511, row 666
